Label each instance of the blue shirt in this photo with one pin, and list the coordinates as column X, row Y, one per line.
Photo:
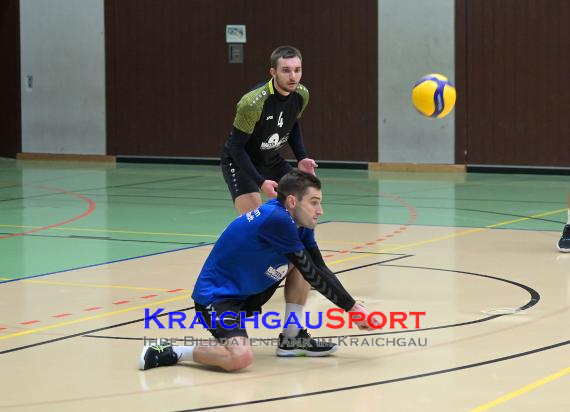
column 249, row 257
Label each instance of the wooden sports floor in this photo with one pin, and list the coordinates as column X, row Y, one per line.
column 85, row 248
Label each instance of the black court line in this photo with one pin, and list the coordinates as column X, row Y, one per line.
column 97, row 188
column 344, row 388
column 534, row 299
column 142, row 319
column 142, row 196
column 281, row 286
column 108, row 238
column 385, row 382
column 33, row 345
column 118, row 337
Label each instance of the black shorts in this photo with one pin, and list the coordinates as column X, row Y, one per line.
column 239, row 183
column 249, row 306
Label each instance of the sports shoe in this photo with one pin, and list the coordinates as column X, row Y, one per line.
column 155, row 356
column 564, row 242
column 304, row 345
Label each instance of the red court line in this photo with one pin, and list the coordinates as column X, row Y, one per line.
column 118, row 302
column 87, row 212
column 148, row 296
column 30, row 322
column 411, row 219
column 61, row 315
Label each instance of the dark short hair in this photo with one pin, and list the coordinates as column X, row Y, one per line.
column 296, row 183
column 286, row 52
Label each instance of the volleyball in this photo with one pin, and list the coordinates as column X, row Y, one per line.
column 433, row 96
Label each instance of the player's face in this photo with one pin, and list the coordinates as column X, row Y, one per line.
column 287, row 74
column 306, row 212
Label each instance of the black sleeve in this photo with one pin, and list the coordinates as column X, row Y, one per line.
column 296, row 142
column 236, row 147
column 323, row 280
column 315, row 254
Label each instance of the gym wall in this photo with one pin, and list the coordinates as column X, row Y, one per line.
column 152, row 78
column 415, row 39
column 63, row 51
column 513, row 66
column 171, row 90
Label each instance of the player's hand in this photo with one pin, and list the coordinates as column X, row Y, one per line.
column 307, row 165
column 363, row 325
column 269, row 187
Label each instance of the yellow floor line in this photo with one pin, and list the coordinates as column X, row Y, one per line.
column 436, row 239
column 94, row 285
column 102, row 315
column 446, row 237
column 530, row 387
column 89, row 285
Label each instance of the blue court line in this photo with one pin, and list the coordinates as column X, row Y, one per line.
column 104, row 263
column 124, row 260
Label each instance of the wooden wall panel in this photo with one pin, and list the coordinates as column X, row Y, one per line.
column 10, row 107
column 172, row 92
column 513, row 64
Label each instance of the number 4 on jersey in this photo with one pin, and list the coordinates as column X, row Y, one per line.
column 280, row 120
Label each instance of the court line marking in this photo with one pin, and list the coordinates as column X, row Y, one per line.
column 89, row 285
column 451, row 236
column 340, row 389
column 305, row 394
column 427, row 241
column 410, row 208
column 132, row 232
column 530, row 387
column 102, row 264
column 85, row 319
column 90, row 209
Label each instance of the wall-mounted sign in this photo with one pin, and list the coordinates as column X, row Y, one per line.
column 235, row 33
column 235, row 53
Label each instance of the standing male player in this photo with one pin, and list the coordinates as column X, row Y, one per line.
column 266, row 119
column 245, row 267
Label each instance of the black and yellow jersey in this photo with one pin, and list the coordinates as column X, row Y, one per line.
column 265, row 121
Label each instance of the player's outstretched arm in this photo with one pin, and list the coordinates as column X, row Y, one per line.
column 318, row 260
column 324, row 281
